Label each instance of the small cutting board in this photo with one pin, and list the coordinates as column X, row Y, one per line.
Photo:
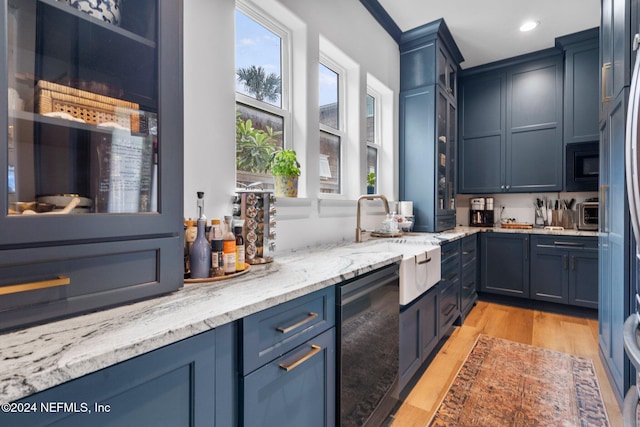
column 516, row 225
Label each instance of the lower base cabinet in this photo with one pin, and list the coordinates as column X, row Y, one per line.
column 505, row 264
column 288, row 363
column 297, row 389
column 565, row 270
column 418, row 334
column 189, row 383
column 469, row 274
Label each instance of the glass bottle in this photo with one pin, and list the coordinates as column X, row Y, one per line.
column 200, row 253
column 240, row 250
column 229, row 247
column 217, row 264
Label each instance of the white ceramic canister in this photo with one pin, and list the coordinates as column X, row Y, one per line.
column 405, row 208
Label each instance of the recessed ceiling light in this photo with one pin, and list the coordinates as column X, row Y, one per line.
column 529, row 25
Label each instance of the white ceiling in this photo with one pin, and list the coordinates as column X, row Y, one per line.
column 488, row 30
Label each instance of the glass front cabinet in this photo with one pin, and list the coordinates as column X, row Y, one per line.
column 92, row 153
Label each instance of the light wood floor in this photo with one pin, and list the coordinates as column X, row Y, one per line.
column 568, row 334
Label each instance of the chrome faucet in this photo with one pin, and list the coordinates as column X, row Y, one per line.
column 359, row 229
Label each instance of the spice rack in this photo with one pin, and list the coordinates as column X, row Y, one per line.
column 257, row 209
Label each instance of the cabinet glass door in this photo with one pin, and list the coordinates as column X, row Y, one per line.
column 453, row 143
column 82, row 107
column 443, row 154
column 446, row 153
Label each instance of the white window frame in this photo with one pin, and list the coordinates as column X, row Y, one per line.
column 341, row 132
column 377, row 132
column 264, row 19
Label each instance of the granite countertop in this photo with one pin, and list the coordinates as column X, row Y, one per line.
column 43, row 356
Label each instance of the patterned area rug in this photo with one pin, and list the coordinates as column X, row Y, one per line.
column 504, row 383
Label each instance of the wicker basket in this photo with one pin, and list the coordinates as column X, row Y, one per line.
column 90, row 107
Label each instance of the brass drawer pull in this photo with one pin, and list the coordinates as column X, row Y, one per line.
column 287, row 329
column 315, row 349
column 32, row 286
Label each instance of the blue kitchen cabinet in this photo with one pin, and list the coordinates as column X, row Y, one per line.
column 581, row 94
column 430, row 318
column 482, row 133
column 565, row 270
column 288, row 363
column 418, row 335
column 511, row 126
column 190, row 383
column 428, row 125
column 615, row 288
column 124, row 242
column 285, row 393
column 449, row 288
column 505, row 264
column 469, row 274
column 534, row 126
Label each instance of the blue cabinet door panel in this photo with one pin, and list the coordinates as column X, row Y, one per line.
column 418, row 67
column 173, row 386
column 533, row 94
column 583, row 283
column 505, row 264
column 549, row 275
column 534, row 160
column 482, row 169
column 301, row 396
column 582, row 96
column 417, row 112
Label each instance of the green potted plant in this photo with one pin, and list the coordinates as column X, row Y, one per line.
column 285, row 169
column 371, row 182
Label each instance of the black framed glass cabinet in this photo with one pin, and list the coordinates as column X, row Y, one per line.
column 92, row 154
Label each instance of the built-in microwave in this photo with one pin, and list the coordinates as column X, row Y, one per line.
column 582, row 166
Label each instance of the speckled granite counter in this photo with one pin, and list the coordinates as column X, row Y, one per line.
column 43, row 356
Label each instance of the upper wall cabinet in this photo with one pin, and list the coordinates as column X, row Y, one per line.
column 428, row 125
column 511, row 127
column 581, row 94
column 92, row 153
column 615, row 50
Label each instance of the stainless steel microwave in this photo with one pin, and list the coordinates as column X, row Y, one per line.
column 588, row 213
column 582, row 166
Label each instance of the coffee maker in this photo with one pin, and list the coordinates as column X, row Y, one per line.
column 481, row 212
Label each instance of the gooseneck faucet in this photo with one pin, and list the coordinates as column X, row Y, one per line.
column 359, row 229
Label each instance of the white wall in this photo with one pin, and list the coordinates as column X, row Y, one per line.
column 209, row 98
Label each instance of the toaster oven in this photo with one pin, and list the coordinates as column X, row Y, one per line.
column 588, row 215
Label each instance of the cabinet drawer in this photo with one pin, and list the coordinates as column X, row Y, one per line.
column 565, row 242
column 469, row 282
column 450, row 271
column 469, row 250
column 270, row 333
column 448, row 309
column 297, row 389
column 450, row 253
column 40, row 284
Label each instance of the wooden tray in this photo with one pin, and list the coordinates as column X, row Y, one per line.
column 516, row 225
column 379, row 234
column 219, row 278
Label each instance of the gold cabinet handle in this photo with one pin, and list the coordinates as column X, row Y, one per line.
column 32, row 286
column 315, row 349
column 605, row 67
column 287, row 329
